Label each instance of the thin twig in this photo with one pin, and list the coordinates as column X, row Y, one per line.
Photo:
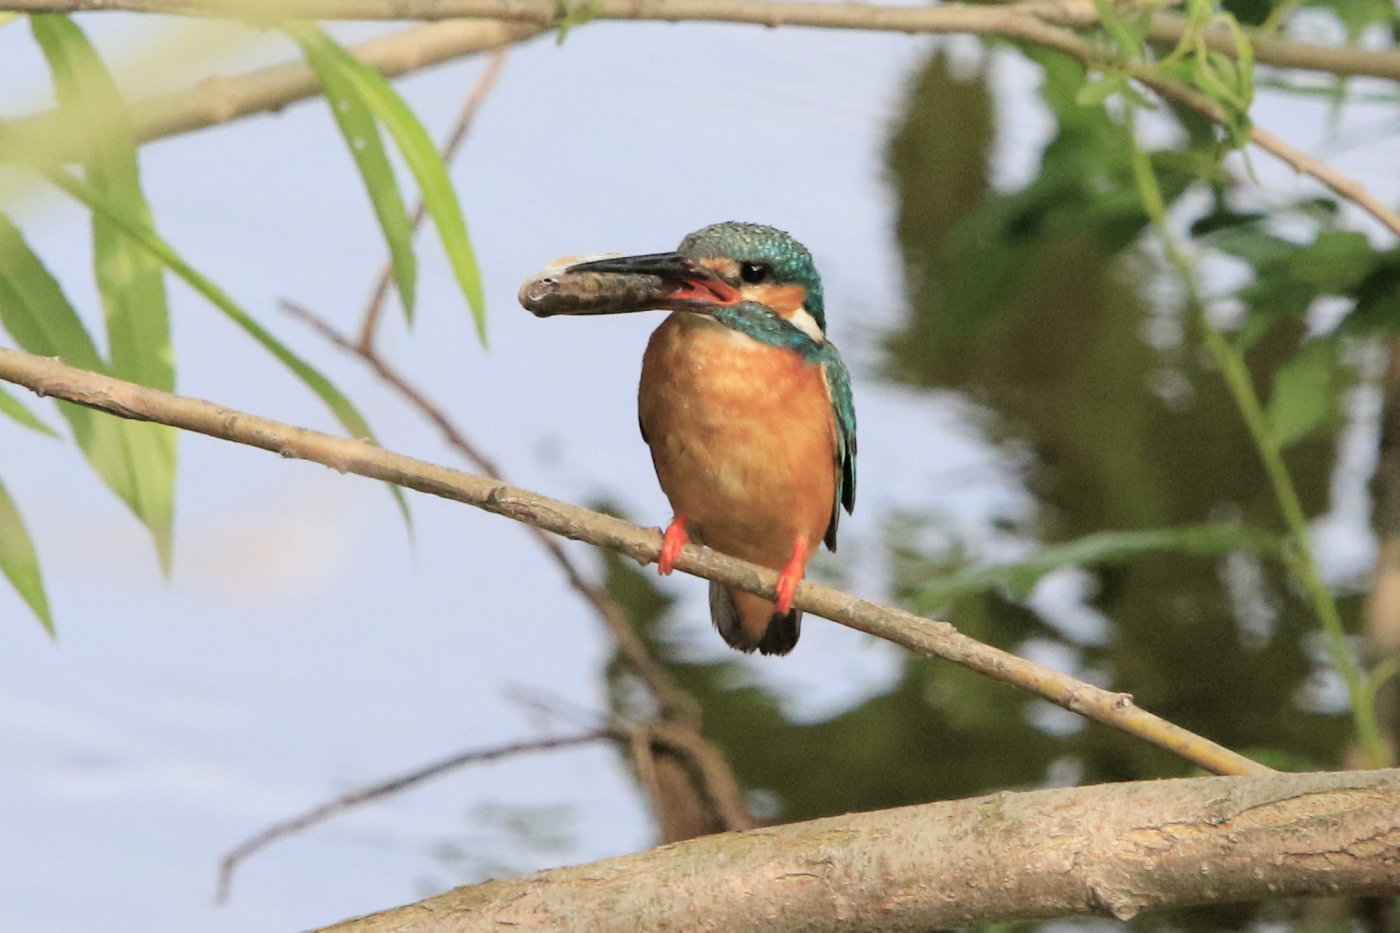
column 716, row 777
column 479, row 92
column 1038, row 22
column 644, row 767
column 1230, row 358
column 1344, row 185
column 51, row 377
column 221, row 100
column 1165, row 28
column 216, row 101
column 363, row 795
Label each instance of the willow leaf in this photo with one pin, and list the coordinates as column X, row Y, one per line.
column 355, row 118
column 9, row 405
column 341, row 407
column 422, row 156
column 1303, row 391
column 1110, row 547
column 36, row 313
column 19, row 562
column 129, row 279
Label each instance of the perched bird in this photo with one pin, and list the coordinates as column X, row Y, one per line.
column 745, row 404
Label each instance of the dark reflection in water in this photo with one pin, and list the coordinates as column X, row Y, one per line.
column 1036, row 304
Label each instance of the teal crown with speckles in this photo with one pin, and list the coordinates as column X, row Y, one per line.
column 790, row 261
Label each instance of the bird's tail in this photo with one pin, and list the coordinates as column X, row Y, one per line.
column 747, row 621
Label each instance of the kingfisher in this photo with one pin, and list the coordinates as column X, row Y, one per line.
column 744, row 402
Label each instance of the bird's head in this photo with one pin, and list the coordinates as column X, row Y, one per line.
column 721, row 266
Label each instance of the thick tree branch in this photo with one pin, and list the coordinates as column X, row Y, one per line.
column 1113, row 849
column 51, row 377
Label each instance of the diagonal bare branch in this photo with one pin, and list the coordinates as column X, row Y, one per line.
column 51, row 377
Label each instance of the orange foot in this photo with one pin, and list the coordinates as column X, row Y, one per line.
column 671, row 544
column 791, row 576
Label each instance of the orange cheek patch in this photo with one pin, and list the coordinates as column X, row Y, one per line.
column 787, row 300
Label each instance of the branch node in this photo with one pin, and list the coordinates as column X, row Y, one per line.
column 495, row 498
column 645, row 554
column 1104, row 896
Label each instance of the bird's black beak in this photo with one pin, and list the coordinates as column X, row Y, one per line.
column 619, row 284
column 662, row 265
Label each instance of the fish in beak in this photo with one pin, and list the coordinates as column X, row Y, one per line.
column 615, row 284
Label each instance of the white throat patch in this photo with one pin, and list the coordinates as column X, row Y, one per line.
column 802, row 319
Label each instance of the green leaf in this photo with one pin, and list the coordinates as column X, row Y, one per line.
column 11, row 406
column 1335, row 263
column 1257, row 324
column 1109, row 547
column 1096, row 92
column 34, row 309
column 129, row 279
column 1127, row 37
column 20, row 563
column 357, row 124
column 571, row 13
column 1302, row 394
column 421, row 155
column 39, row 317
column 344, row 410
column 1261, row 250
column 1377, row 299
column 1244, row 53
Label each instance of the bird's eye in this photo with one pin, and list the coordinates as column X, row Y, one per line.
column 754, row 272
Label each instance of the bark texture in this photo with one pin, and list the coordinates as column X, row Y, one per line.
column 1112, row 849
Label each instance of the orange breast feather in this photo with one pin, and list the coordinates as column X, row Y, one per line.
column 743, row 438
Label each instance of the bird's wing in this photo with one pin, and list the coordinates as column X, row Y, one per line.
column 843, row 409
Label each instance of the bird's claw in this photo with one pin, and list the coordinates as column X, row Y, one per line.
column 672, row 541
column 790, row 577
